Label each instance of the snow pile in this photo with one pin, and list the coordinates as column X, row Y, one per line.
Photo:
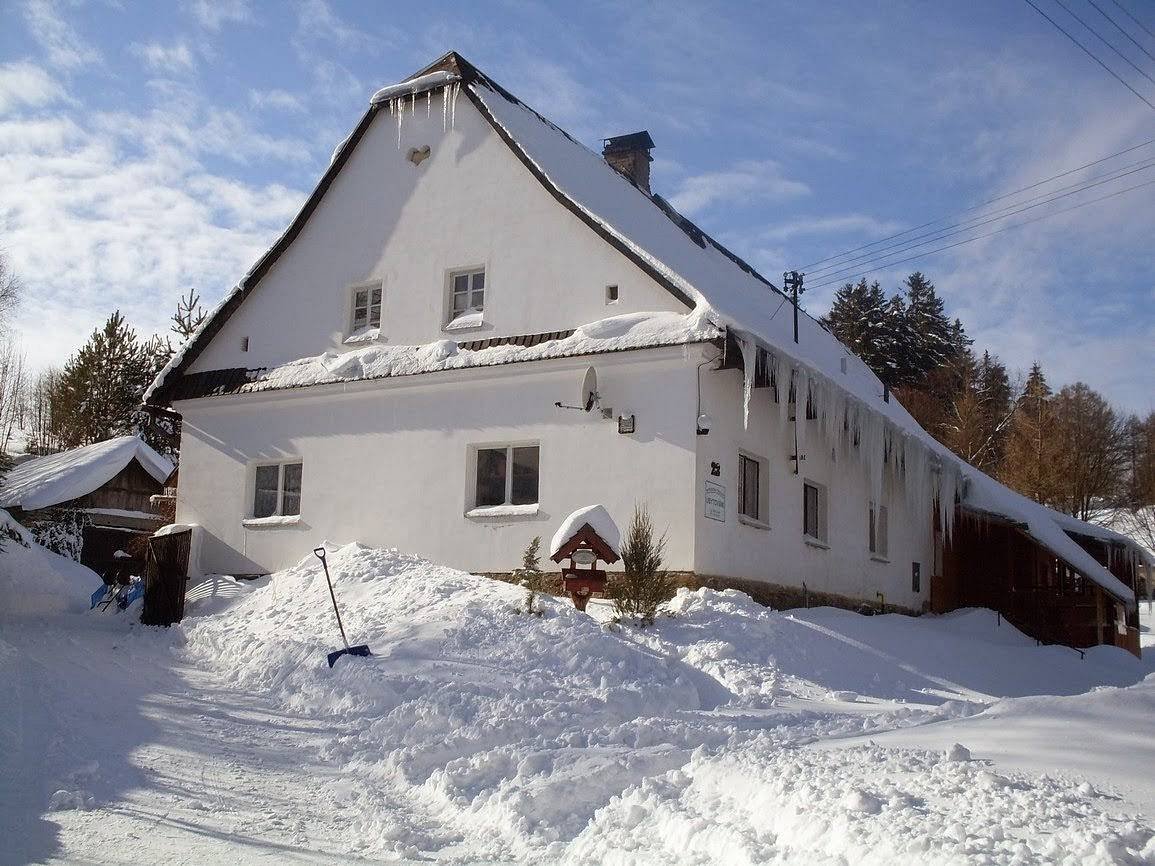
column 56, row 478
column 599, row 521
column 482, row 732
column 631, row 331
column 34, row 581
column 413, row 86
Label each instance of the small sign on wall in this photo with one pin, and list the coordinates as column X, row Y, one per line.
column 715, row 500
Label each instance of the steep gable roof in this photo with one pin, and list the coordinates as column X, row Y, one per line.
column 723, row 289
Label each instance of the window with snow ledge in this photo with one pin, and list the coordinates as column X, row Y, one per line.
column 276, row 494
column 466, row 301
column 505, row 480
column 365, row 313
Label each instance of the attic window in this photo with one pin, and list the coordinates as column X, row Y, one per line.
column 611, row 294
column 466, row 298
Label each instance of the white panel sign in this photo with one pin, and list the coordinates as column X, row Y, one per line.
column 715, row 498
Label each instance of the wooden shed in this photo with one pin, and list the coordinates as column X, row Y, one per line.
column 90, row 502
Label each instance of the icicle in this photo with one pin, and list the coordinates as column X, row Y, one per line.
column 453, row 104
column 444, row 109
column 400, row 117
column 413, row 102
column 785, row 377
column 801, row 396
column 428, row 102
column 749, row 354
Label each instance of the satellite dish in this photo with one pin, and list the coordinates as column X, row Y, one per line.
column 589, row 395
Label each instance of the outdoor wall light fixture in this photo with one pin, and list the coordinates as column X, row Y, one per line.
column 704, row 424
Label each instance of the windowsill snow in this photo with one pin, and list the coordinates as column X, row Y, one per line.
column 271, row 522
column 503, row 510
column 752, row 523
column 466, row 321
column 365, row 335
column 814, row 542
column 876, row 558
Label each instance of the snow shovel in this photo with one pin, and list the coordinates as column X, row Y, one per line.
column 359, row 650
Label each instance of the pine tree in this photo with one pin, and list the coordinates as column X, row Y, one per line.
column 862, row 319
column 98, row 394
column 642, row 586
column 531, row 576
column 929, row 338
column 189, row 316
column 1030, row 459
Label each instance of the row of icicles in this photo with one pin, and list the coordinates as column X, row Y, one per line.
column 847, row 422
column 397, row 107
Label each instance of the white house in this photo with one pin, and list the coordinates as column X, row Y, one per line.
column 389, row 372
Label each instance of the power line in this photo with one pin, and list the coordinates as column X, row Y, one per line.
column 982, row 204
column 1102, row 39
column 1136, row 42
column 1142, row 26
column 1090, row 54
column 880, row 265
column 982, row 219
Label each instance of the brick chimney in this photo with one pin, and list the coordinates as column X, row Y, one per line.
column 630, row 155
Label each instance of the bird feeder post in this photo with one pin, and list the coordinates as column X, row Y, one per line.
column 582, row 578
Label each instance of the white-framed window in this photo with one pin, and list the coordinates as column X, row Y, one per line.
column 466, row 298
column 878, row 530
column 364, row 308
column 753, row 489
column 277, row 489
column 506, row 475
column 814, row 511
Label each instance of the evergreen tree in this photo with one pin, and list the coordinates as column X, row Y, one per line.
column 929, row 339
column 1030, row 459
column 862, row 320
column 642, row 586
column 189, row 316
column 98, row 394
column 1092, row 451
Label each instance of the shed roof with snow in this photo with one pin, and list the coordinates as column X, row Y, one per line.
column 722, row 293
column 57, row 478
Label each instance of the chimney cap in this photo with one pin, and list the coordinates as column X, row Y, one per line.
column 624, row 143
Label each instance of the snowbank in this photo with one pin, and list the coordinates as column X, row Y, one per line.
column 600, row 522
column 480, row 730
column 56, row 478
column 34, row 581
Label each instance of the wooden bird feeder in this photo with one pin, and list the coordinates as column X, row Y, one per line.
column 584, row 548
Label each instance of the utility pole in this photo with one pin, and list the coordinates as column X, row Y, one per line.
column 792, row 281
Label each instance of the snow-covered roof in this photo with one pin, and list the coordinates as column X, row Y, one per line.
column 721, row 289
column 599, row 521
column 56, row 478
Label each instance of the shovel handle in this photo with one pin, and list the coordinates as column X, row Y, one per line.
column 319, row 552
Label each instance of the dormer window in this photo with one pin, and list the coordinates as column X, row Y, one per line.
column 466, row 298
column 365, row 314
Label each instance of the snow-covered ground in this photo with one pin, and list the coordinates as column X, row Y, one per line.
column 726, row 734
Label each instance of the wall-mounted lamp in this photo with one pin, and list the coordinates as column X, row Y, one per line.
column 705, row 422
column 626, row 424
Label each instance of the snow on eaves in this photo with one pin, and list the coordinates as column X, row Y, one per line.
column 617, row 333
column 758, row 314
column 46, row 481
column 413, row 86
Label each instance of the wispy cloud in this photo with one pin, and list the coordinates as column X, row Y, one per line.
column 745, row 182
column 130, row 197
column 25, row 84
column 174, row 58
column 861, row 225
column 213, row 13
column 63, row 45
column 317, row 22
column 276, row 100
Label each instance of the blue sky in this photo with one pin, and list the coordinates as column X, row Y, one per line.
column 148, row 147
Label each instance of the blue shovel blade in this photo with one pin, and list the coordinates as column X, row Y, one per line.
column 361, row 650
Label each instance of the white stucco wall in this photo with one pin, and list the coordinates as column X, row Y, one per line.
column 780, row 554
column 472, row 202
column 386, row 463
